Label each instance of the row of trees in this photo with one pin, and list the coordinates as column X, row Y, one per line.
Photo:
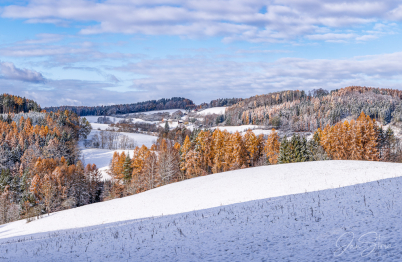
column 161, row 104
column 110, row 140
column 206, row 152
column 360, row 139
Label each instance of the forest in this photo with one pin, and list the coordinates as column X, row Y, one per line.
column 40, row 167
column 41, row 170
column 161, row 104
column 298, row 111
column 15, row 104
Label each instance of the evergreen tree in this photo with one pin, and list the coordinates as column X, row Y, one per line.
column 284, row 151
column 317, row 152
column 127, row 169
column 167, row 128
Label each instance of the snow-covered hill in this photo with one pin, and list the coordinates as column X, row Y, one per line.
column 212, row 191
column 289, row 223
column 212, row 110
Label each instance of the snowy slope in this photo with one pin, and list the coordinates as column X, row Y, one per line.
column 213, row 110
column 355, row 223
column 212, row 191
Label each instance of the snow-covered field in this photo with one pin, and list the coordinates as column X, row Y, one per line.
column 262, row 213
column 218, row 189
column 355, row 223
column 212, row 110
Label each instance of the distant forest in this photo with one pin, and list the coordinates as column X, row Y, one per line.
column 161, row 104
column 299, row 111
column 224, row 102
column 15, row 104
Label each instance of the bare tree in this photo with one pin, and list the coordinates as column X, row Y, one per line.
column 9, row 211
column 124, row 141
column 150, row 171
column 112, row 138
column 103, row 139
column 95, row 141
column 168, row 165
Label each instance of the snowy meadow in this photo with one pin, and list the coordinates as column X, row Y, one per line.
column 360, row 222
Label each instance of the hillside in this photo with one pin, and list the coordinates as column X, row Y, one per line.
column 299, row 111
column 289, row 221
column 212, row 191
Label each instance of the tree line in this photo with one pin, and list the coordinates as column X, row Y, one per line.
column 151, row 105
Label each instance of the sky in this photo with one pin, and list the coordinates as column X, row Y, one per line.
column 87, row 52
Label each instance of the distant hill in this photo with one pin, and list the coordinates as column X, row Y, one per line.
column 300, row 111
column 161, row 104
column 17, row 104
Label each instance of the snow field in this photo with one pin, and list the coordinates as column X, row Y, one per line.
column 212, row 191
column 355, row 223
column 213, row 110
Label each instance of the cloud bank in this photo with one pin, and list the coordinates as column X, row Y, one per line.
column 249, row 20
column 202, row 79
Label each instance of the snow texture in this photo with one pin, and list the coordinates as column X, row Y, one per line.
column 359, row 222
column 212, row 191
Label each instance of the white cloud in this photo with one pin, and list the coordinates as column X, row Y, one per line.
column 204, row 79
column 366, row 37
column 22, row 52
column 10, row 71
column 330, row 36
column 235, row 19
column 256, row 51
column 43, row 39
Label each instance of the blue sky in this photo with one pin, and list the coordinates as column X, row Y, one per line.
column 87, row 52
